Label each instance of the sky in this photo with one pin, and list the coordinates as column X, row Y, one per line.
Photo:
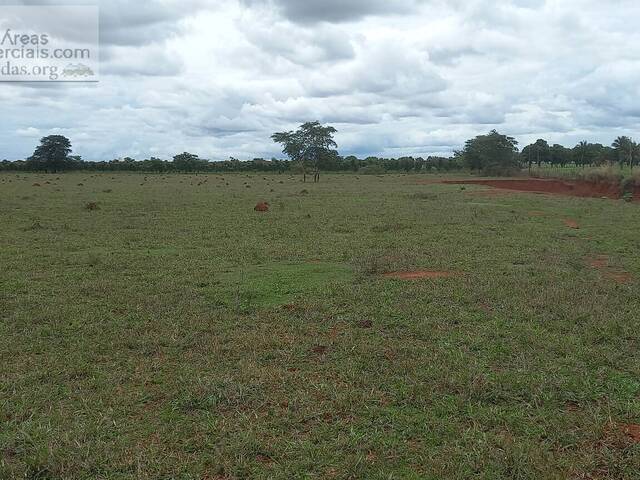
column 402, row 77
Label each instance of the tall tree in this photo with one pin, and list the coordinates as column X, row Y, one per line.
column 559, row 155
column 492, row 154
column 312, row 145
column 581, row 153
column 52, row 155
column 187, row 162
column 624, row 148
column 542, row 151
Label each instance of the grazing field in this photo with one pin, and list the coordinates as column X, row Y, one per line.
column 157, row 327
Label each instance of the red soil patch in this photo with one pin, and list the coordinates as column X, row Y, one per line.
column 619, row 277
column 419, row 275
column 264, row 459
column 628, row 433
column 554, row 186
column 262, row 207
column 631, row 431
column 571, row 224
column 601, row 263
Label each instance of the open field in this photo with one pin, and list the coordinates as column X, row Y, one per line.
column 171, row 331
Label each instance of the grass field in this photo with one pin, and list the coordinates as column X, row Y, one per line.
column 174, row 333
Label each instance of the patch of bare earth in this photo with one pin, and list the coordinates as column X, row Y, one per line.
column 601, row 263
column 420, row 274
column 571, row 224
column 553, row 186
column 621, row 434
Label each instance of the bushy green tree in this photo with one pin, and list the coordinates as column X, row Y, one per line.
column 560, row 155
column 52, row 155
column 492, row 154
column 625, row 148
column 312, row 145
column 188, row 162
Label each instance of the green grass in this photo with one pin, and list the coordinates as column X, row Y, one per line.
column 176, row 333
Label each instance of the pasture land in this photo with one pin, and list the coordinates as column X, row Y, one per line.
column 157, row 327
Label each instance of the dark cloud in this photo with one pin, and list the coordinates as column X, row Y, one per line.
column 125, row 22
column 308, row 11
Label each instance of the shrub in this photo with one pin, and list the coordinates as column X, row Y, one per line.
column 372, row 170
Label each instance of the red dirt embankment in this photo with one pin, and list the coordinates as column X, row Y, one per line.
column 554, row 186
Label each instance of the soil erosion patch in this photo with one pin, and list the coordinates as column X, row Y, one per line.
column 554, row 186
column 601, row 263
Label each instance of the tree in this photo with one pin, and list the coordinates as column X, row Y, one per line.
column 312, row 145
column 52, row 154
column 543, row 152
column 624, row 148
column 187, row 162
column 406, row 163
column 581, row 153
column 560, row 155
column 492, row 154
column 353, row 162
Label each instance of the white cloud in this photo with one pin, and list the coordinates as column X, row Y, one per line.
column 407, row 77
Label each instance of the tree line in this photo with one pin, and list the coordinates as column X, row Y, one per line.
column 312, row 149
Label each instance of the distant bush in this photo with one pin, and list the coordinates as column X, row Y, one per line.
column 372, row 170
column 497, row 170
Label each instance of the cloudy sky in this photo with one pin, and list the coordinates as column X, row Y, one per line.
column 402, row 77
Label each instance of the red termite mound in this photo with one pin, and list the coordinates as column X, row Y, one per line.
column 262, row 207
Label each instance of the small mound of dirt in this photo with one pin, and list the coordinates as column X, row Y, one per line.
column 262, row 207
column 36, row 185
column 571, row 224
column 536, row 214
column 420, row 274
column 92, row 206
